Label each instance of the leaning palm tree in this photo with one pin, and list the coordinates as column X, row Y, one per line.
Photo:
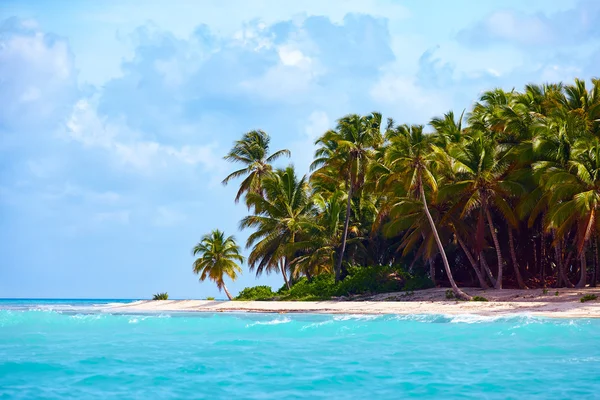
column 253, row 152
column 409, row 155
column 218, row 256
column 482, row 182
column 279, row 214
column 348, row 150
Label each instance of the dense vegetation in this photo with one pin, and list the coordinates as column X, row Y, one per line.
column 502, row 196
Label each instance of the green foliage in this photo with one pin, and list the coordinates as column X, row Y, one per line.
column 256, row 293
column 160, row 296
column 210, row 298
column 556, row 294
column 588, row 297
column 450, row 294
column 522, row 164
column 479, row 298
column 418, row 282
column 359, row 281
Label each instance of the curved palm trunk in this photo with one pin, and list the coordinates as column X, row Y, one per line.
column 227, row 292
column 497, row 246
column 480, row 276
column 513, row 255
column 485, row 267
column 457, row 292
column 338, row 264
column 284, row 268
column 583, row 272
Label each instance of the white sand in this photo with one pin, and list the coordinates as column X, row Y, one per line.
column 505, row 302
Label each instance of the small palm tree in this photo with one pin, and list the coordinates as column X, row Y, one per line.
column 252, row 151
column 218, row 256
column 160, row 296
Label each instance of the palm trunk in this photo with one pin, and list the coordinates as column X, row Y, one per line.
column 485, row 267
column 595, row 250
column 513, row 254
column 478, row 272
column 432, row 270
column 581, row 283
column 227, row 292
column 457, row 292
column 567, row 264
column 284, row 268
column 497, row 245
column 338, row 265
column 596, row 274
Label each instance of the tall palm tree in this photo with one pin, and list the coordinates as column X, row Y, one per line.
column 348, row 150
column 217, row 256
column 280, row 213
column 482, row 183
column 576, row 196
column 253, row 152
column 409, row 155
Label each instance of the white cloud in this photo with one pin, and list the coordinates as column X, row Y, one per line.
column 129, row 148
column 38, row 72
column 402, row 94
column 168, row 216
column 119, row 217
column 519, row 28
column 318, row 123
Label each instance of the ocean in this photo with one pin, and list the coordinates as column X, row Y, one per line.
column 58, row 349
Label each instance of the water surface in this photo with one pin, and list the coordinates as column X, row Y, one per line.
column 72, row 350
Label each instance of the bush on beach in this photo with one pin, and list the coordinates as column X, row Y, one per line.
column 359, row 281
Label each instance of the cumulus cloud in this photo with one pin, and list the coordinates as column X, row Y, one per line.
column 567, row 27
column 39, row 80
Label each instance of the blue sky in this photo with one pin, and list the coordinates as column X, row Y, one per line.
column 114, row 116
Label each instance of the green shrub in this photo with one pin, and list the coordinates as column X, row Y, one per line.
column 210, row 298
column 160, row 296
column 479, row 298
column 556, row 294
column 418, row 282
column 588, row 297
column 259, row 293
column 545, row 291
column 450, row 294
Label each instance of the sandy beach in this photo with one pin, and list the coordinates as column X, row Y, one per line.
column 532, row 302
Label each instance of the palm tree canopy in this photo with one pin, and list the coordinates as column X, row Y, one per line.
column 253, row 152
column 218, row 256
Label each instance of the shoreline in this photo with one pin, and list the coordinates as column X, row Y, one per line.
column 501, row 303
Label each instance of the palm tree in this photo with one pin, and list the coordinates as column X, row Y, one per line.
column 408, row 155
column 576, row 195
column 280, row 213
column 347, row 151
column 482, row 182
column 218, row 256
column 253, row 152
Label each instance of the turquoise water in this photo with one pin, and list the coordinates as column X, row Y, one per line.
column 78, row 352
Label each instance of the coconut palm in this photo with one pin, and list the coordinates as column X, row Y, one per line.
column 253, row 152
column 482, row 183
column 218, row 256
column 347, row 151
column 280, row 213
column 409, row 154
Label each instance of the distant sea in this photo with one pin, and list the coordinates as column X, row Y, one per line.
column 55, row 349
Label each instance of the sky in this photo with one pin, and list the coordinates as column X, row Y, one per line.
column 115, row 116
